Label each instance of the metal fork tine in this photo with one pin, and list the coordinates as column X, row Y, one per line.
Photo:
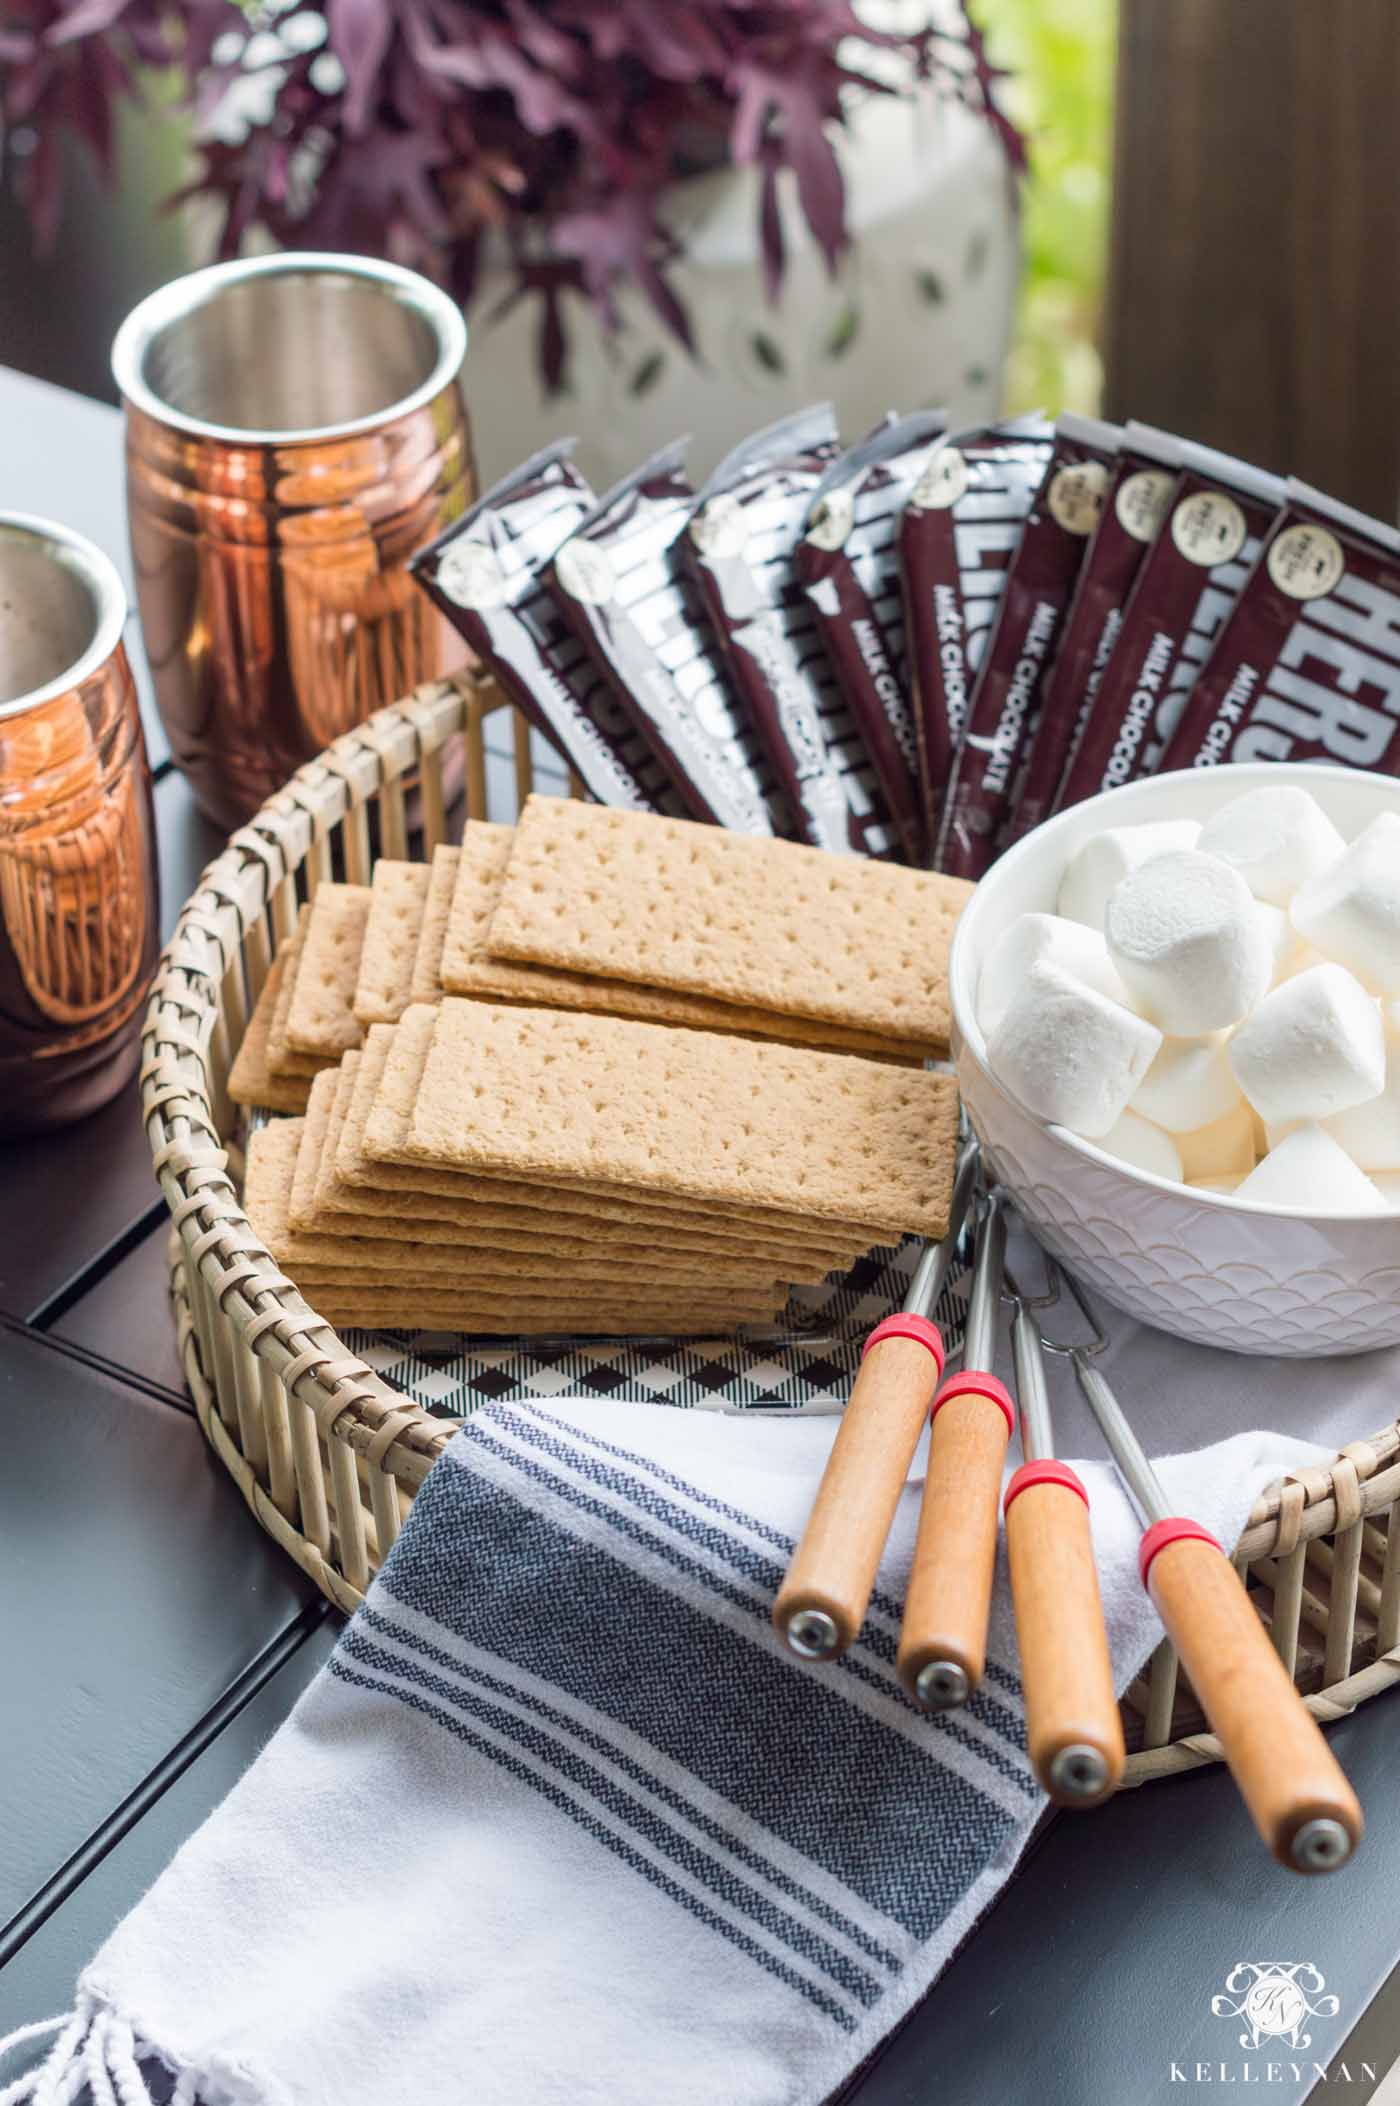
column 1073, row 1349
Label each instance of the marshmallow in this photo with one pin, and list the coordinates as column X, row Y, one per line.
column 1107, row 858
column 1370, row 1133
column 1314, row 1046
column 1276, row 838
column 1351, row 912
column 1217, row 1184
column 1225, row 1148
column 1043, row 939
column 1387, row 1183
column 1286, row 947
column 1189, row 1084
column 1310, row 1171
column 1068, row 1053
column 1186, row 938
column 1145, row 1147
column 1391, row 1013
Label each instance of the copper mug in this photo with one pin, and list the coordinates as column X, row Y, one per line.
column 79, row 917
column 296, row 431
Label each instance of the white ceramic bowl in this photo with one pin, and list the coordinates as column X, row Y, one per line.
column 1224, row 1271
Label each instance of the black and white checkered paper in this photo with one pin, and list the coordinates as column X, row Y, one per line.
column 806, row 1364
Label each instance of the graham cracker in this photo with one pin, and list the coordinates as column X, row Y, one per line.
column 469, row 968
column 724, row 1121
column 595, row 1320
column 302, row 1199
column 384, row 986
column 737, row 917
column 320, row 1016
column 281, row 1058
column 462, row 1305
column 385, row 1137
column 537, row 1232
column 328, row 1141
column 251, row 1081
column 427, row 961
column 275, row 1155
column 533, row 1214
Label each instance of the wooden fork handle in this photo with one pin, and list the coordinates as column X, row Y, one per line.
column 1073, row 1727
column 833, row 1568
column 950, row 1587
column 1287, row 1775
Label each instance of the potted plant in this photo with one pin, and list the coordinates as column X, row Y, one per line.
column 669, row 216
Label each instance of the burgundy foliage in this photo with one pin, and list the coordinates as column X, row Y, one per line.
column 555, row 126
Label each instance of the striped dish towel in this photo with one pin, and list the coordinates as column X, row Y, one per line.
column 561, row 1824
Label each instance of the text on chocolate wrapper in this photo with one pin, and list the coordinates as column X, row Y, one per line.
column 1233, row 704
column 766, row 645
column 981, row 581
column 948, row 616
column 1353, row 715
column 1139, row 710
column 1108, row 637
column 875, row 659
column 1020, row 692
column 1223, row 588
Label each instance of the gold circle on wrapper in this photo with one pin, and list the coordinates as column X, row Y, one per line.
column 78, row 903
column 296, row 431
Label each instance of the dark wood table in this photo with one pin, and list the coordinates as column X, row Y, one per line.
column 154, row 1638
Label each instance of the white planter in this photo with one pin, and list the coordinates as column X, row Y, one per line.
column 919, row 316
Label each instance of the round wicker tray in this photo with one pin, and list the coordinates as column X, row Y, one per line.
column 328, row 1455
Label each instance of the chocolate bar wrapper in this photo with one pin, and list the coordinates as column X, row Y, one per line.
column 639, row 615
column 956, row 539
column 849, row 568
column 1307, row 668
column 739, row 549
column 485, row 575
column 1004, row 712
column 1187, row 585
column 1141, row 486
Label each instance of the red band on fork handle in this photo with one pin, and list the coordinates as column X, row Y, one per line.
column 973, row 1383
column 903, row 1325
column 1176, row 1528
column 1047, row 1471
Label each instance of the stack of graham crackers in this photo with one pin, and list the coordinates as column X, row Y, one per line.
column 600, row 1073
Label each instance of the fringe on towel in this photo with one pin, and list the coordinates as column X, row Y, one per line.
column 96, row 2049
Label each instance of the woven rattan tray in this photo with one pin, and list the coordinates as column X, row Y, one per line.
column 328, row 1455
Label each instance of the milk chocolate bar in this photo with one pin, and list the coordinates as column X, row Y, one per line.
column 1004, row 712
column 1307, row 667
column 956, row 539
column 739, row 548
column 1185, row 589
column 485, row 575
column 1141, row 486
column 621, row 588
column 848, row 565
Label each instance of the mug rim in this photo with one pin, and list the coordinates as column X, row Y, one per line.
column 182, row 296
column 103, row 579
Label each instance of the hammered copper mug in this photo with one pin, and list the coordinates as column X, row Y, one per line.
column 79, row 920
column 296, row 430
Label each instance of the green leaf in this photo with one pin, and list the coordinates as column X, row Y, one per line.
column 767, row 352
column 844, row 331
column 647, row 374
